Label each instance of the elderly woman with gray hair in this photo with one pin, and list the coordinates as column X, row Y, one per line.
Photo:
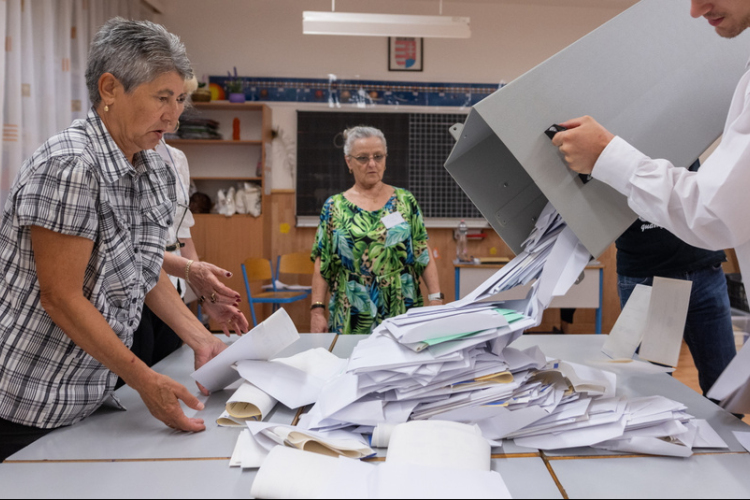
column 371, row 247
column 81, row 248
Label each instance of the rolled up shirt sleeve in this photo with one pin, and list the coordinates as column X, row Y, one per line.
column 58, row 197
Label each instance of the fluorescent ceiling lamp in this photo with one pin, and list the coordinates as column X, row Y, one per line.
column 352, row 24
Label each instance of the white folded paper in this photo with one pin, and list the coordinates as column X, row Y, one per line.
column 296, row 381
column 733, row 386
column 263, row 342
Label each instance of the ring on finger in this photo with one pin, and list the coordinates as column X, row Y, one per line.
column 213, row 298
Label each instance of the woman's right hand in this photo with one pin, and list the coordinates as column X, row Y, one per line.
column 162, row 397
column 318, row 322
column 204, row 278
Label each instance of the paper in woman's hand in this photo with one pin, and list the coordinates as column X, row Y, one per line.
column 262, row 343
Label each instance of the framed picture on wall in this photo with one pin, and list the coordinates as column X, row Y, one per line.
column 405, row 54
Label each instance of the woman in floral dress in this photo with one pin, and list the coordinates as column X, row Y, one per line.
column 371, row 247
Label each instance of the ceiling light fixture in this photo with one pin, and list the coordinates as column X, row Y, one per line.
column 356, row 24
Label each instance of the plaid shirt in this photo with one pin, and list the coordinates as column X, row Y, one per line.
column 78, row 183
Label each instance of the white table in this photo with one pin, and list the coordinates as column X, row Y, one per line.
column 111, row 434
column 124, row 454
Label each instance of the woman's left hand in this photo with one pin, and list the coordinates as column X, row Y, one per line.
column 228, row 316
column 204, row 279
column 436, row 303
column 208, row 350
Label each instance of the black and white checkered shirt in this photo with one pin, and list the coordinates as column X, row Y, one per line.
column 78, row 183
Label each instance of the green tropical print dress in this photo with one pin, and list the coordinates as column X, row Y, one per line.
column 373, row 272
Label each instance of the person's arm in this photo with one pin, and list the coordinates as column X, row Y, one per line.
column 203, row 278
column 705, row 208
column 166, row 303
column 432, row 278
column 189, row 251
column 61, row 262
column 318, row 319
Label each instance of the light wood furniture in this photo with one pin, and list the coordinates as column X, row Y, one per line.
column 220, row 164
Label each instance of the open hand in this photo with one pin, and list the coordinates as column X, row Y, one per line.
column 228, row 317
column 162, row 397
column 204, row 279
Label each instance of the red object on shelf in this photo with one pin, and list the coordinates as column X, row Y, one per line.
column 477, row 236
column 236, row 129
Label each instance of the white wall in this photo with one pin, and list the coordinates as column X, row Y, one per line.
column 264, row 38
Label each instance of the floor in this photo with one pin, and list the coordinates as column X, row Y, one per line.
column 688, row 375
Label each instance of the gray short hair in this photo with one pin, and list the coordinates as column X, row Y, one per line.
column 361, row 132
column 135, row 52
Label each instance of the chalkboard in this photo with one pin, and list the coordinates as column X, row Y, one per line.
column 418, row 146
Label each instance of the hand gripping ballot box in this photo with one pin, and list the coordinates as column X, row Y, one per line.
column 653, row 75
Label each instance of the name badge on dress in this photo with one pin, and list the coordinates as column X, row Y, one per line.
column 392, row 220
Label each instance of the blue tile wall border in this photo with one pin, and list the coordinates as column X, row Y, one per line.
column 361, row 92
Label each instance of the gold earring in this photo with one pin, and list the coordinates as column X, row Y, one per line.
column 106, row 108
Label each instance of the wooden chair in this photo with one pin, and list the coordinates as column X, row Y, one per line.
column 260, row 270
column 294, row 263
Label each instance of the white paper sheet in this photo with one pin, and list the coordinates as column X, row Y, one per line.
column 311, row 475
column 665, row 327
column 439, row 444
column 647, row 445
column 743, row 438
column 263, row 342
column 417, row 481
column 351, row 479
column 226, row 420
column 736, row 376
column 630, row 327
column 334, row 443
column 453, row 325
column 574, row 438
column 296, row 381
column 707, row 436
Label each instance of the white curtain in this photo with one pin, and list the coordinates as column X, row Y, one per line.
column 42, row 70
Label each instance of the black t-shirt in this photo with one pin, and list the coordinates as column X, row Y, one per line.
column 647, row 250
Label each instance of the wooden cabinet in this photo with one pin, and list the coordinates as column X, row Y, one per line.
column 220, row 164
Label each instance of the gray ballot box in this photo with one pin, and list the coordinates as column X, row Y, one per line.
column 653, row 75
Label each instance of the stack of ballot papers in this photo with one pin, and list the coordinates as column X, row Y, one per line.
column 425, row 460
column 456, row 364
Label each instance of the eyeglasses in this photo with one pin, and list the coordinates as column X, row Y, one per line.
column 363, row 160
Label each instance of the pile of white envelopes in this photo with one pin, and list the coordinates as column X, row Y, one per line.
column 454, row 363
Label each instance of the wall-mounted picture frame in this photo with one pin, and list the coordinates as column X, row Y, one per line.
column 405, row 54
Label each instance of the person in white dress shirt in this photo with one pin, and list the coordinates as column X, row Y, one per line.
column 707, row 209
